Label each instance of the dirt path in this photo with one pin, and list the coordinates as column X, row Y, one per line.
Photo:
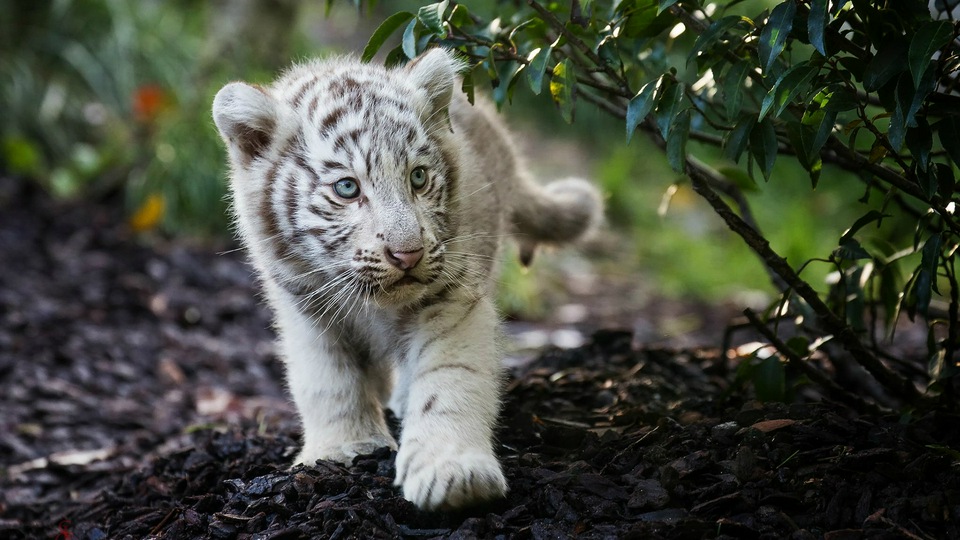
column 141, row 398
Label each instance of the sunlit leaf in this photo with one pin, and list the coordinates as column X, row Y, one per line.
column 793, row 82
column 640, row 106
column 384, row 31
column 839, row 100
column 816, row 23
column 538, row 66
column 930, row 37
column 838, row 6
column 562, row 88
column 822, row 121
column 774, row 35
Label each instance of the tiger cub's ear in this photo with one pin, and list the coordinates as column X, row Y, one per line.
column 435, row 72
column 246, row 117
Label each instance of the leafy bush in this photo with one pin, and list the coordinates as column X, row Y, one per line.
column 866, row 88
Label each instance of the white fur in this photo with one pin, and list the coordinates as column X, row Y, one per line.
column 352, row 339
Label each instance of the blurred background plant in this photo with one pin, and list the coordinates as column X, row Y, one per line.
column 108, row 96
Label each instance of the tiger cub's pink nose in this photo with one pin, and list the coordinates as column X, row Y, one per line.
column 404, row 260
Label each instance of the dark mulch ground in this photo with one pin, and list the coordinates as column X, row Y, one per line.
column 140, row 397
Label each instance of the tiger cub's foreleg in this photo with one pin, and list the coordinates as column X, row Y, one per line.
column 446, row 456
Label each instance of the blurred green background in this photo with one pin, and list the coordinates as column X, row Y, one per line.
column 102, row 97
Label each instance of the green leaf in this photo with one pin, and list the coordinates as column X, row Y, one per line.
column 920, row 142
column 801, row 137
column 822, row 122
column 538, row 66
column 409, row 41
column 733, row 87
column 866, row 219
column 774, row 35
column 460, row 16
column 644, row 20
column 946, row 182
column 838, row 6
column 890, row 283
column 711, row 34
column 790, row 84
column 839, row 100
column 928, row 181
column 770, row 379
column 930, row 37
column 468, row 87
column 816, row 23
column 432, row 17
column 664, row 4
column 763, row 146
column 640, row 106
column 380, row 35
column 926, row 282
column 885, row 65
column 677, row 142
column 736, row 140
column 851, row 250
column 562, row 88
column 671, row 93
column 507, row 75
column 948, row 131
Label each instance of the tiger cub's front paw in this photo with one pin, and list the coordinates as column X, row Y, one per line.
column 451, row 481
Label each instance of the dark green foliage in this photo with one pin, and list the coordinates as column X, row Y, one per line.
column 865, row 87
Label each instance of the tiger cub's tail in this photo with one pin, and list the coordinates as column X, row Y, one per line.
column 556, row 213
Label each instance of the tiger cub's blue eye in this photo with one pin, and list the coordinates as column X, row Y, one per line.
column 348, row 188
column 418, row 178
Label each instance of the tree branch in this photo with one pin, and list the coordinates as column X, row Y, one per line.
column 832, row 324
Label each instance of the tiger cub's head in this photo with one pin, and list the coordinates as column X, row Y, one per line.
column 343, row 178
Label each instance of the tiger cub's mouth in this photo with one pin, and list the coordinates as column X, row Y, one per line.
column 406, row 280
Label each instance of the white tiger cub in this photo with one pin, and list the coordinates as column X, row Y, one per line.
column 372, row 202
